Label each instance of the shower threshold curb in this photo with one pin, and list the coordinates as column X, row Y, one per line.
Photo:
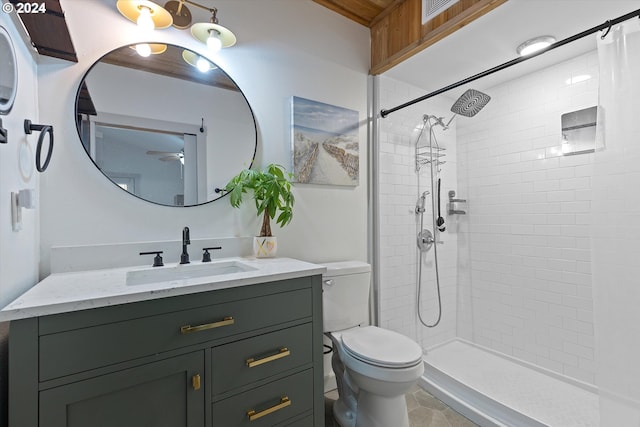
column 471, row 403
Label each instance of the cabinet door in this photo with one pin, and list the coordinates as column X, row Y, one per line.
column 159, row 394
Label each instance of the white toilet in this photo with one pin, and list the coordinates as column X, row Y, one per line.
column 374, row 367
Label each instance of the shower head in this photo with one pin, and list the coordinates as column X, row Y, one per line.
column 470, row 103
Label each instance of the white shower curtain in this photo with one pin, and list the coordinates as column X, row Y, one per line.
column 616, row 227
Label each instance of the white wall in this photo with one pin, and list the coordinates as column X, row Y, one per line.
column 397, row 196
column 19, row 254
column 283, row 49
column 525, row 262
column 159, row 181
column 18, row 249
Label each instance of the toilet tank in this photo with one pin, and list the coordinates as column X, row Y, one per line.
column 345, row 295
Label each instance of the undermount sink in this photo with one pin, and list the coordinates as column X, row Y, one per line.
column 186, row 271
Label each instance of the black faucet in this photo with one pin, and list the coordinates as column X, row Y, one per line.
column 186, row 240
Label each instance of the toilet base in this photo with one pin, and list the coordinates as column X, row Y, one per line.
column 343, row 416
column 373, row 411
column 381, row 411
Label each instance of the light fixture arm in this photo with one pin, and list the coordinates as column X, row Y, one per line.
column 214, row 17
column 212, row 10
column 182, row 15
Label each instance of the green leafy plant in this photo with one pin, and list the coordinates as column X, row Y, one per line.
column 271, row 189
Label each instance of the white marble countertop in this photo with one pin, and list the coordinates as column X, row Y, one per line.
column 66, row 292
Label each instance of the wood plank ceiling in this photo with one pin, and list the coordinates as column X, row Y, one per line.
column 397, row 31
column 361, row 11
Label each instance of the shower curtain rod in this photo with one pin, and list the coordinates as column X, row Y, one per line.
column 607, row 25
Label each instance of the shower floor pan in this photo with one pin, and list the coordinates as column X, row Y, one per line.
column 494, row 390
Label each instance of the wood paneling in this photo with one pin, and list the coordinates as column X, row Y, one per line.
column 396, row 26
column 48, row 31
column 361, row 11
column 85, row 103
column 169, row 63
column 399, row 34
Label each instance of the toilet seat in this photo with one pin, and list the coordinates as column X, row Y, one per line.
column 380, row 347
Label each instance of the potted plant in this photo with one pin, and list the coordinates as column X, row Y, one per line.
column 272, row 194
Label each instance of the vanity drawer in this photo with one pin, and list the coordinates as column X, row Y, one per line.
column 260, row 357
column 305, row 422
column 82, row 349
column 271, row 403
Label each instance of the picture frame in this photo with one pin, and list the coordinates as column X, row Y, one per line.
column 325, row 143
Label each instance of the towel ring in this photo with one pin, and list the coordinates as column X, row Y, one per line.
column 43, row 129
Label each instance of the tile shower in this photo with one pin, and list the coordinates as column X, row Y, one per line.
column 515, row 271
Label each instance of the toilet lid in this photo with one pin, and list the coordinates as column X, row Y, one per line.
column 381, row 347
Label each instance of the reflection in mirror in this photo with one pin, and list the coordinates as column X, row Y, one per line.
column 170, row 128
column 8, row 72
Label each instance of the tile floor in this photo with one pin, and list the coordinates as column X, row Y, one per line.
column 424, row 411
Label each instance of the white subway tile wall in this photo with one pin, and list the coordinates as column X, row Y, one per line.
column 400, row 187
column 525, row 263
column 515, row 271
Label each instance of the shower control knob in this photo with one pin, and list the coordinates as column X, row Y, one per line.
column 425, row 240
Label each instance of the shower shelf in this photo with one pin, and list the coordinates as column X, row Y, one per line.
column 424, row 156
column 431, row 155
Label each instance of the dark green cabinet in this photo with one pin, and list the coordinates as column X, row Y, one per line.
column 250, row 355
column 159, row 394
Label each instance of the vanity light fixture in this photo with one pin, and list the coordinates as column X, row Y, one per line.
column 214, row 35
column 143, row 49
column 150, row 15
column 535, row 44
column 146, row 49
column 147, row 14
column 202, row 64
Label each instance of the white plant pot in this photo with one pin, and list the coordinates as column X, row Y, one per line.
column 265, row 247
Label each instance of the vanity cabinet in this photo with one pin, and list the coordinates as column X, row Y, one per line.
column 159, row 394
column 243, row 356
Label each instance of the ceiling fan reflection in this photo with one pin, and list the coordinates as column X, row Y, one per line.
column 168, row 156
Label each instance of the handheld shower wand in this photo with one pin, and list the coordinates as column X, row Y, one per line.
column 440, row 220
column 421, row 202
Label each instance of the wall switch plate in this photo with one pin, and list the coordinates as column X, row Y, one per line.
column 26, row 198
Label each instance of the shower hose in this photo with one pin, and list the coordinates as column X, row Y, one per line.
column 435, row 242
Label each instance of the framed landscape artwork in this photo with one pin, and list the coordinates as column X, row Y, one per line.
column 325, row 143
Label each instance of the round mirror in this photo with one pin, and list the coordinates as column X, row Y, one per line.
column 8, row 72
column 171, row 127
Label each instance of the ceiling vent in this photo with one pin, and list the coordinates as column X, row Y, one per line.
column 432, row 8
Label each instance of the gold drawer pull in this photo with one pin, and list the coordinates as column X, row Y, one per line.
column 190, row 329
column 283, row 352
column 284, row 402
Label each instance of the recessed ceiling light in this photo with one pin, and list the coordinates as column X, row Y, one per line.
column 535, row 44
